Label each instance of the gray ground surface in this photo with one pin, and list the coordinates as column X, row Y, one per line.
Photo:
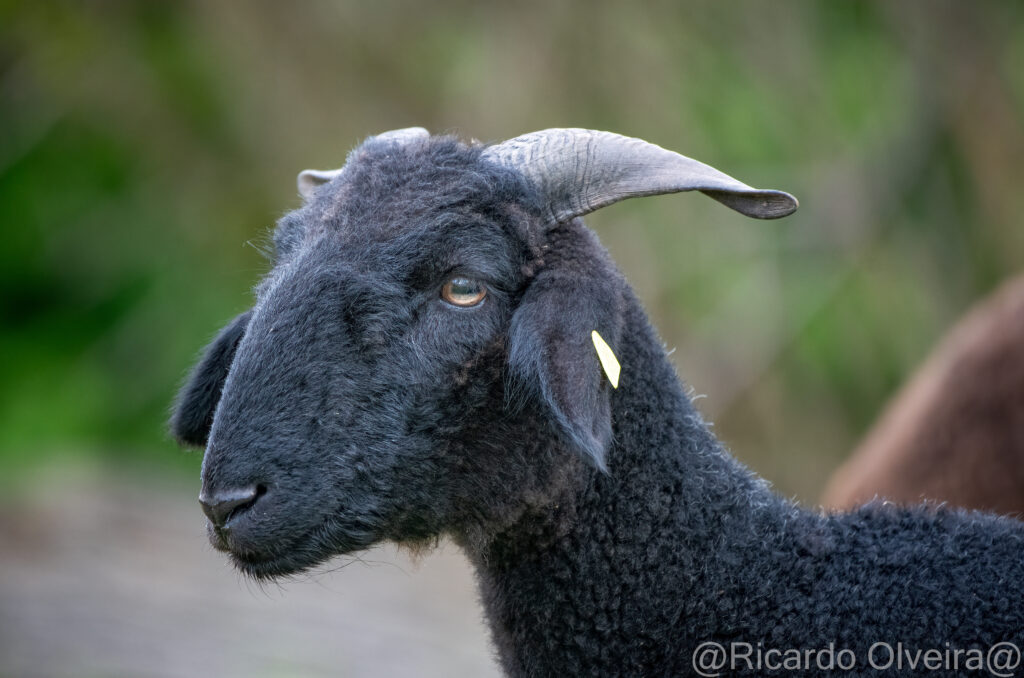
column 102, row 577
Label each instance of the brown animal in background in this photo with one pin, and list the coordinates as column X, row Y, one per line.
column 955, row 432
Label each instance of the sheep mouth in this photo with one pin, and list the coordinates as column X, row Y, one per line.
column 267, row 568
column 298, row 556
column 302, row 554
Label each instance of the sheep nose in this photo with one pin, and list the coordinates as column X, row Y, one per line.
column 222, row 505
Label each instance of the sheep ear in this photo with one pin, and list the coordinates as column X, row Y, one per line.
column 197, row 400
column 309, row 180
column 552, row 354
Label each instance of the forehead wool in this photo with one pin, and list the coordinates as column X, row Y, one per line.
column 389, row 189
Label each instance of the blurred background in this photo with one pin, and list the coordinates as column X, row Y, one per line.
column 147, row 148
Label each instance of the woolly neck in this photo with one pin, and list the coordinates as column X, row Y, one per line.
column 644, row 551
column 679, row 544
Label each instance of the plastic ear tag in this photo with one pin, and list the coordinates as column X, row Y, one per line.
column 608, row 360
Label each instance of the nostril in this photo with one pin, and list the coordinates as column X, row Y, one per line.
column 220, row 506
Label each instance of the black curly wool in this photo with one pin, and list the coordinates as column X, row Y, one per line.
column 680, row 545
column 611, row 533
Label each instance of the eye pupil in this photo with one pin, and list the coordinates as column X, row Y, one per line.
column 463, row 292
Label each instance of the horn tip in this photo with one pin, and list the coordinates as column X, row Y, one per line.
column 775, row 205
column 754, row 203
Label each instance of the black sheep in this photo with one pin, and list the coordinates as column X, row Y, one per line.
column 420, row 362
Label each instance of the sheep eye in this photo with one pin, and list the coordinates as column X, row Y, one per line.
column 463, row 292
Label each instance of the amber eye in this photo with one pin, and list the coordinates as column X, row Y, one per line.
column 463, row 292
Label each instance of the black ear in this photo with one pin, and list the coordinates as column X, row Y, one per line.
column 197, row 400
column 552, row 353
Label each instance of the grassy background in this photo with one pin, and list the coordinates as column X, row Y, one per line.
column 146, row 149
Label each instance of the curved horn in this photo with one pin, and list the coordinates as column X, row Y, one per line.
column 308, row 180
column 581, row 170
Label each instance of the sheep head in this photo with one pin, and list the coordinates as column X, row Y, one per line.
column 418, row 360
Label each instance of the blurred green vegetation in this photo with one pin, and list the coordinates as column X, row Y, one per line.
column 146, row 149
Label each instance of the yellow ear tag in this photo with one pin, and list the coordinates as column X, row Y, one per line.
column 607, row 358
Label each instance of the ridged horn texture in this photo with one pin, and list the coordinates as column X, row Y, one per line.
column 578, row 171
column 308, row 180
